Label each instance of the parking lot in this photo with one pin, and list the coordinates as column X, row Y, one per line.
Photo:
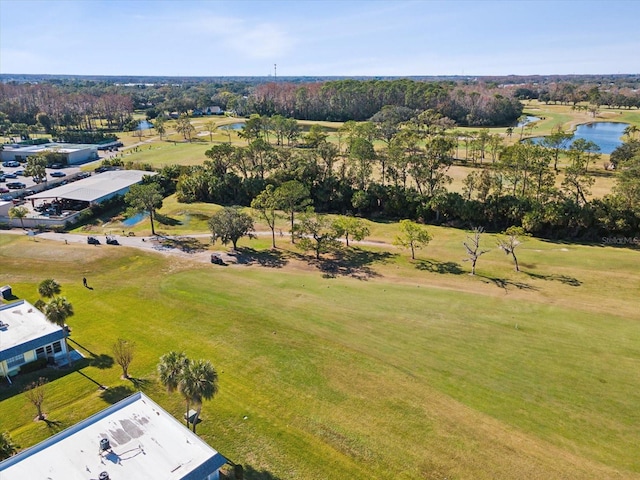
column 13, row 181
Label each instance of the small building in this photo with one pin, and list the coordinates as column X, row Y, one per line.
column 25, row 336
column 73, row 153
column 132, row 439
column 213, row 110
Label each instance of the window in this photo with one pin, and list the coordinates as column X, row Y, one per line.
column 57, row 348
column 40, row 352
column 15, row 361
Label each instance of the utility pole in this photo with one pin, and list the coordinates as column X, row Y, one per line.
column 275, row 71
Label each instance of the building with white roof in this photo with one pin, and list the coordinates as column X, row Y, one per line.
column 73, row 153
column 132, row 439
column 25, row 336
column 97, row 188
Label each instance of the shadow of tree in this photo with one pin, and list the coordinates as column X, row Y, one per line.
column 101, row 361
column 100, row 386
column 140, row 383
column 251, row 473
column 54, row 425
column 565, row 279
column 199, row 216
column 264, row 258
column 185, row 244
column 352, row 262
column 434, row 266
column 115, row 394
column 505, row 284
column 166, row 220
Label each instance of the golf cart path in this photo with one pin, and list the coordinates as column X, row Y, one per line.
column 156, row 243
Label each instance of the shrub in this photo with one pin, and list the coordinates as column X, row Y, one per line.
column 39, row 364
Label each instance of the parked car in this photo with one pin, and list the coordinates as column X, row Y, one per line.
column 4, row 190
column 10, row 163
column 93, row 241
column 19, row 172
column 2, row 178
column 16, row 185
column 217, row 259
column 10, row 175
column 112, row 241
column 56, row 166
column 6, row 198
column 58, row 174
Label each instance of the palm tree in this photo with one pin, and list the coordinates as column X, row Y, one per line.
column 7, row 447
column 198, row 382
column 170, row 369
column 49, row 288
column 57, row 311
column 19, row 213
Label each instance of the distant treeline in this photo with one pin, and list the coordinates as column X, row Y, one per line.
column 344, row 100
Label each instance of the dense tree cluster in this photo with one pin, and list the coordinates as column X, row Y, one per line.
column 519, row 185
column 359, row 100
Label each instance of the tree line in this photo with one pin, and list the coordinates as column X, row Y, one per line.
column 406, row 176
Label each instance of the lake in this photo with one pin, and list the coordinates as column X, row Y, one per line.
column 604, row 134
column 232, row 126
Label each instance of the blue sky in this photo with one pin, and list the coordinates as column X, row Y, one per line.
column 319, row 37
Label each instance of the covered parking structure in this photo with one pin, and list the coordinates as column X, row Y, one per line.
column 63, row 204
column 94, row 189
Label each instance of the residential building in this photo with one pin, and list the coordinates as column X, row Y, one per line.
column 25, row 336
column 132, row 439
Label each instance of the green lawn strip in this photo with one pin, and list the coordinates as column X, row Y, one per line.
column 332, row 370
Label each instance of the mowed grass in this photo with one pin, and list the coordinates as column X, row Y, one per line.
column 413, row 370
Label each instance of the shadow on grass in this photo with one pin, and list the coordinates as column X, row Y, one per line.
column 166, row 220
column 20, row 381
column 140, row 383
column 506, row 284
column 352, row 262
column 98, row 384
column 264, row 258
column 565, row 279
column 184, row 244
column 251, row 473
column 115, row 394
column 434, row 266
column 101, row 361
column 54, row 425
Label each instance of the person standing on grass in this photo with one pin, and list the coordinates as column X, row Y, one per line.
column 84, row 281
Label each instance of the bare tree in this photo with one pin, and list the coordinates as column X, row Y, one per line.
column 35, row 394
column 123, row 354
column 509, row 244
column 472, row 245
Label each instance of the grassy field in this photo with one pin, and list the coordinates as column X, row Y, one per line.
column 382, row 367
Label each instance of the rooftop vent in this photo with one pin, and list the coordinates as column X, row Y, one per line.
column 104, row 475
column 104, row 445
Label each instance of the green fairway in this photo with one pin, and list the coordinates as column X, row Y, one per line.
column 391, row 369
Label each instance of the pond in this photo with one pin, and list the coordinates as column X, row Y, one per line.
column 232, row 126
column 138, row 217
column 604, row 134
column 144, row 125
column 527, row 121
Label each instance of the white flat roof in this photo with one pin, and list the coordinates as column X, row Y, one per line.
column 22, row 327
column 94, row 187
column 146, row 443
column 60, row 147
